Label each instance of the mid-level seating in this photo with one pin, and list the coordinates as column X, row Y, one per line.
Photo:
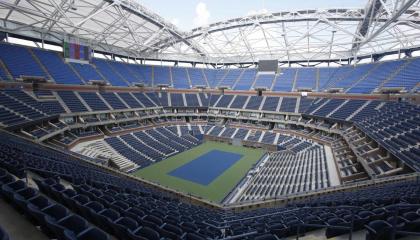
column 192, row 100
column 224, row 101
column 72, row 101
column 254, row 103
column 130, row 100
column 328, row 107
column 93, row 100
column 288, row 104
column 239, row 101
column 271, row 104
column 20, row 106
column 396, row 128
column 113, row 100
column 177, row 100
column 347, row 109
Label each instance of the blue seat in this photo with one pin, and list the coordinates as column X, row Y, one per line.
column 366, row 216
column 21, row 197
column 134, row 213
column 378, row 230
column 399, row 223
column 51, row 215
column 36, row 216
column 357, row 222
column 78, row 201
column 106, row 200
column 413, row 221
column 279, row 229
column 44, row 185
column 66, row 197
column 3, row 234
column 34, row 208
column 123, row 226
column 40, row 202
column 105, row 218
column 9, row 189
column 168, row 234
column 311, row 219
column 89, row 234
column 90, row 208
column 189, row 227
column 6, row 179
column 339, row 222
column 146, row 233
column 56, row 212
column 73, row 224
column 153, row 219
column 172, row 228
column 193, row 236
column 120, row 206
column 293, row 225
column 55, row 191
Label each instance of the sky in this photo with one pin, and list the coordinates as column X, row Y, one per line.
column 188, row 14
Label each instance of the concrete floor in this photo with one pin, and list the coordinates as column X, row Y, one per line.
column 331, row 165
column 359, row 235
column 16, row 225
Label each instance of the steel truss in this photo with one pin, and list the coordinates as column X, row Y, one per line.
column 126, row 28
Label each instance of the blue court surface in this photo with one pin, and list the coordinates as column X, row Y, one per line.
column 206, row 168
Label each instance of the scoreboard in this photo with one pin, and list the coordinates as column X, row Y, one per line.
column 75, row 51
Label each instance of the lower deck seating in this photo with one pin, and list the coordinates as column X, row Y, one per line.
column 128, row 209
column 287, row 173
column 148, row 146
column 53, row 218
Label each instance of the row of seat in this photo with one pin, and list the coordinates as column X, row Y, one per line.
column 286, row 173
column 159, row 209
column 146, row 147
column 55, row 220
column 396, row 128
column 364, row 78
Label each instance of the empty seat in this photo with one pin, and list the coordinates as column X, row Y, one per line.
column 123, row 226
column 89, row 234
column 72, row 224
column 9, row 189
column 378, row 230
column 145, row 233
column 3, row 234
